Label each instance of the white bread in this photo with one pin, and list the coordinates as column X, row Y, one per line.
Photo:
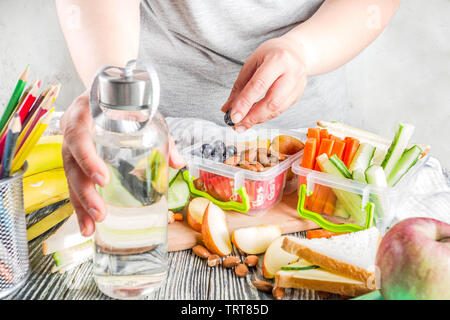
column 350, row 255
column 67, row 236
column 320, row 280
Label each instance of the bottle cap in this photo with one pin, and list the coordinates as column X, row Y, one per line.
column 124, row 89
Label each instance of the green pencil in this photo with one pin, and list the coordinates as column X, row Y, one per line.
column 20, row 86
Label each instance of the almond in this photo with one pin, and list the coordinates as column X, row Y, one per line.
column 280, row 156
column 263, row 286
column 251, row 261
column 249, row 155
column 201, row 251
column 278, row 293
column 231, row 262
column 258, row 166
column 233, row 161
column 213, row 260
column 241, row 270
column 247, row 166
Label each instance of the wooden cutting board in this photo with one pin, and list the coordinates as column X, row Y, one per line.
column 283, row 214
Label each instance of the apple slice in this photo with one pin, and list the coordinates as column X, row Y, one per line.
column 215, row 231
column 255, row 240
column 195, row 212
column 275, row 258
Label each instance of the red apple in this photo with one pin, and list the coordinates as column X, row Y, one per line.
column 414, row 260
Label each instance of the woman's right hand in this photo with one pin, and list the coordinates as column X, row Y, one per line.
column 84, row 168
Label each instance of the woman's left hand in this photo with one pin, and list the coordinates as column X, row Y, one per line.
column 272, row 80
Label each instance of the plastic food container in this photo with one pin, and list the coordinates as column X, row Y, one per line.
column 224, row 183
column 344, row 205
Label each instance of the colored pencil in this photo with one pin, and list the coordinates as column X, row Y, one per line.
column 10, row 145
column 35, row 106
column 45, row 106
column 29, row 100
column 21, row 156
column 20, row 86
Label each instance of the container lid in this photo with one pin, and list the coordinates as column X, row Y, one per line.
column 124, row 89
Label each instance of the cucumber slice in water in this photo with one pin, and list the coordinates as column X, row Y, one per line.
column 178, row 196
column 115, row 194
column 400, row 142
column 408, row 159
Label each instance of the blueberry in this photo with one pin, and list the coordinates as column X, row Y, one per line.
column 230, row 151
column 219, row 147
column 208, row 151
column 217, row 158
column 227, row 118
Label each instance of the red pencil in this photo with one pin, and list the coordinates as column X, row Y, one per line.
column 45, row 106
column 35, row 107
column 28, row 101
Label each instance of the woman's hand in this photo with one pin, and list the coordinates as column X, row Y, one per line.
column 84, row 168
column 272, row 80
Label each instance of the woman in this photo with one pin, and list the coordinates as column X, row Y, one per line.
column 278, row 58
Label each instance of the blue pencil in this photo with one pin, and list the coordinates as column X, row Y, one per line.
column 10, row 145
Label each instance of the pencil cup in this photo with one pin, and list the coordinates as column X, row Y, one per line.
column 14, row 264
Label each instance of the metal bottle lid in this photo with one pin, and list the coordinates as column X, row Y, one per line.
column 124, row 89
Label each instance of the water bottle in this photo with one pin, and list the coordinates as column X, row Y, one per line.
column 131, row 137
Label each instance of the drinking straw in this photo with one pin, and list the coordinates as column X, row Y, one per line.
column 10, row 145
column 29, row 99
column 15, row 97
column 31, row 141
column 45, row 106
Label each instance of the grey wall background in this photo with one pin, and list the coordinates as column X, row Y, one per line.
column 403, row 76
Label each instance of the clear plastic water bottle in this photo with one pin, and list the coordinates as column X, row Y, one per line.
column 131, row 137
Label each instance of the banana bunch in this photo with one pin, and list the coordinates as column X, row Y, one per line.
column 44, row 182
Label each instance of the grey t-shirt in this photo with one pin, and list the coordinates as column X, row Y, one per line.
column 199, row 47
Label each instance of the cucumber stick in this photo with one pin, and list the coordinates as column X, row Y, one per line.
column 361, row 161
column 178, row 195
column 376, row 176
column 339, row 210
column 408, row 159
column 350, row 200
column 340, row 166
column 398, row 146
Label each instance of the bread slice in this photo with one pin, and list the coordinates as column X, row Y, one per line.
column 351, row 255
column 67, row 236
column 321, row 280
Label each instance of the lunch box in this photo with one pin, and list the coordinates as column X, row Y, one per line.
column 238, row 189
column 344, row 205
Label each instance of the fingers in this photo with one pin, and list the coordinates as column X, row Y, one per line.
column 83, row 189
column 176, row 161
column 247, row 71
column 255, row 89
column 284, row 92
column 85, row 221
column 78, row 140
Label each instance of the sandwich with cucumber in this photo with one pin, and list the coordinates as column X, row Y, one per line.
column 343, row 264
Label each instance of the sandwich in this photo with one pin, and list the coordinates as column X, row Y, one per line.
column 343, row 264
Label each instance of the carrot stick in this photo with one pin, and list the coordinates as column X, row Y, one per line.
column 326, row 146
column 314, row 133
column 351, row 146
column 309, row 153
column 335, row 138
column 338, row 148
column 178, row 216
column 322, row 233
column 320, row 199
column 309, row 201
column 324, row 134
column 330, row 203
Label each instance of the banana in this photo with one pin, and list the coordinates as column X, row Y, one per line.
column 44, row 188
column 46, row 155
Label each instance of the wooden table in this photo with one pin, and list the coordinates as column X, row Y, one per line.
column 189, row 277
